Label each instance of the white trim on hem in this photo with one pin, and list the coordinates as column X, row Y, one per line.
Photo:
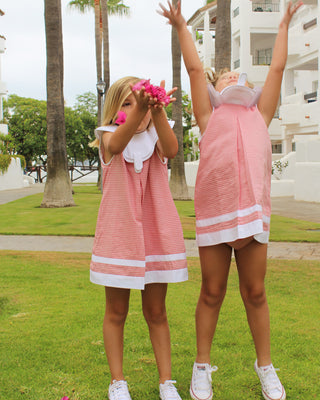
column 230, row 235
column 117, row 281
column 118, row 261
column 166, row 257
column 229, row 216
column 170, row 276
column 131, row 282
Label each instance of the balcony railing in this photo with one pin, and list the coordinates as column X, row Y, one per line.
column 261, row 60
column 265, row 6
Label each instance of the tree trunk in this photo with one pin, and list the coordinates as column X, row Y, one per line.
column 58, row 188
column 98, row 41
column 178, row 185
column 105, row 33
column 223, row 36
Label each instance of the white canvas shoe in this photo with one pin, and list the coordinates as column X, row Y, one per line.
column 201, row 382
column 271, row 386
column 168, row 391
column 118, row 390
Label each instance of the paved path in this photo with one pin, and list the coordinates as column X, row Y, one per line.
column 285, row 206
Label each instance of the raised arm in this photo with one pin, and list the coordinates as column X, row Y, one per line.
column 271, row 90
column 200, row 98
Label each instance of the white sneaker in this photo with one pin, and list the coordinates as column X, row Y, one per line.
column 271, row 386
column 118, row 390
column 201, row 382
column 168, row 391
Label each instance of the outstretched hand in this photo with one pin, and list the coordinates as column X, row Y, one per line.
column 173, row 14
column 291, row 10
column 142, row 97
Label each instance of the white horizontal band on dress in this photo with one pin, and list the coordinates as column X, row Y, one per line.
column 170, row 276
column 118, row 261
column 230, row 235
column 228, row 217
column 166, row 257
column 118, row 281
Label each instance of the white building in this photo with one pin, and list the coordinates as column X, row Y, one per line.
column 3, row 88
column 295, row 129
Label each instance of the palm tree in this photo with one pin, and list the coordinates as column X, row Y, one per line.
column 58, row 188
column 178, row 185
column 102, row 8
column 223, row 36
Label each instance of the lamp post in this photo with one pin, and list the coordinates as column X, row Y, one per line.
column 101, row 88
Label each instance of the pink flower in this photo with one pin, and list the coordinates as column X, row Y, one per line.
column 139, row 85
column 121, row 118
column 155, row 91
column 65, row 398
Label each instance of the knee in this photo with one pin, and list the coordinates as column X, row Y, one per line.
column 253, row 296
column 116, row 314
column 212, row 296
column 155, row 315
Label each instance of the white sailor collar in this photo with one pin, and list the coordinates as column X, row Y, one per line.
column 235, row 94
column 141, row 146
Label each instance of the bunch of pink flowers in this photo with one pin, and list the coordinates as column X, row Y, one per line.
column 157, row 92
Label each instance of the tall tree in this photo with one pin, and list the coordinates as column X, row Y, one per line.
column 178, row 184
column 102, row 9
column 223, row 36
column 58, row 188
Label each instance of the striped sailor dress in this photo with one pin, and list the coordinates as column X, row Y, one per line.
column 139, row 238
column 232, row 192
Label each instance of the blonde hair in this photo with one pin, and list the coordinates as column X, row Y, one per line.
column 213, row 77
column 115, row 97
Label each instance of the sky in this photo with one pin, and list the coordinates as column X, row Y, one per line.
column 140, row 45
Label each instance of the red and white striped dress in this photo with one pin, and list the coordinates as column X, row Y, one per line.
column 232, row 193
column 139, row 238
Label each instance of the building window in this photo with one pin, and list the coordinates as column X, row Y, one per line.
column 265, row 6
column 277, row 148
column 311, row 97
column 263, row 57
column 236, row 64
column 236, row 12
column 309, row 24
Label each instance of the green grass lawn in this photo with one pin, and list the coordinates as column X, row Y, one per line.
column 25, row 217
column 51, row 342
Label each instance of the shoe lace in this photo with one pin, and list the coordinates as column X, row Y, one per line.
column 202, row 376
column 119, row 390
column 170, row 390
column 271, row 380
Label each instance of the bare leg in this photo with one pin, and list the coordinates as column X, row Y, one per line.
column 215, row 265
column 117, row 305
column 252, row 264
column 154, row 311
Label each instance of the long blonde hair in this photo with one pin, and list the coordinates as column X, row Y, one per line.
column 115, row 97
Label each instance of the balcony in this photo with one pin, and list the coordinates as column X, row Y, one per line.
column 265, row 6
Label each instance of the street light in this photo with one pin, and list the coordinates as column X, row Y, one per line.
column 101, row 87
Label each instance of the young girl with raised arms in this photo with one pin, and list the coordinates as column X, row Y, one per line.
column 232, row 198
column 139, row 241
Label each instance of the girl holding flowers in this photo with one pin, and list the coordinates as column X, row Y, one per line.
column 139, row 241
column 232, row 198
